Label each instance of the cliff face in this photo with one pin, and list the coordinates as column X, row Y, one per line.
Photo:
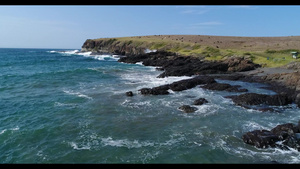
column 112, row 46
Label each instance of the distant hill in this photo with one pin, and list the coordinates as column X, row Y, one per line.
column 226, row 42
column 268, row 51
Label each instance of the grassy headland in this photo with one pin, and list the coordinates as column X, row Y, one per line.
column 266, row 51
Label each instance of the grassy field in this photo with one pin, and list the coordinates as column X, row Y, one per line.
column 266, row 51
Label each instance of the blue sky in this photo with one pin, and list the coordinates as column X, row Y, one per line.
column 69, row 26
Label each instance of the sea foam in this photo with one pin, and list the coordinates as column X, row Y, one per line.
column 87, row 54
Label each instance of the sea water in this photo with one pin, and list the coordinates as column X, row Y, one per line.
column 63, row 106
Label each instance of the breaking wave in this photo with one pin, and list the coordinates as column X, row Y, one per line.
column 87, row 54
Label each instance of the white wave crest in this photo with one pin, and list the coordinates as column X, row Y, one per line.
column 125, row 143
column 77, row 147
column 11, row 129
column 88, row 54
column 77, row 94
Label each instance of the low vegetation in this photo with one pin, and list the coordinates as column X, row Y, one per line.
column 266, row 57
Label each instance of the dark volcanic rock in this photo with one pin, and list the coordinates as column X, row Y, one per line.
column 223, row 87
column 190, row 83
column 178, row 86
column 200, row 101
column 129, row 93
column 240, row 64
column 257, row 99
column 175, row 65
column 285, row 133
column 154, row 91
column 260, row 138
column 187, row 109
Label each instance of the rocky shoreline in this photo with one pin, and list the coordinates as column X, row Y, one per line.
column 204, row 73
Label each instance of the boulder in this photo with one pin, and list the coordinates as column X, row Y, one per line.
column 200, row 101
column 187, row 109
column 260, row 138
column 240, row 64
column 284, row 136
column 129, row 93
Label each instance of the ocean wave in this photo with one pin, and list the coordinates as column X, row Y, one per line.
column 77, row 94
column 150, row 80
column 11, row 129
column 58, row 104
column 127, row 143
column 87, row 54
column 75, row 146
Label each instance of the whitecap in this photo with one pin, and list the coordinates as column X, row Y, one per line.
column 11, row 129
column 58, row 104
column 251, row 125
column 102, row 57
column 127, row 103
column 77, row 94
column 52, row 51
column 88, row 54
column 3, row 131
column 125, row 143
column 150, row 80
column 76, row 147
column 139, row 63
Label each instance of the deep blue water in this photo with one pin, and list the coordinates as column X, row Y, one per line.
column 59, row 106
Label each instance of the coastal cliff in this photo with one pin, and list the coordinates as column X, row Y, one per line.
column 112, row 46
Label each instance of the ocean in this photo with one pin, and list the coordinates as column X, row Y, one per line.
column 61, row 106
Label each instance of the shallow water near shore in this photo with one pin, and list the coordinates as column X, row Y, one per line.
column 60, row 106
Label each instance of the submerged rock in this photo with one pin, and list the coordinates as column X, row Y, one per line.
column 129, row 93
column 187, row 109
column 200, row 101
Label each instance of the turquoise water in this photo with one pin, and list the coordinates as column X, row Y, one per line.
column 59, row 106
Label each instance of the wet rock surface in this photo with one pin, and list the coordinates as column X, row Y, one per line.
column 284, row 136
column 187, row 109
column 223, row 87
column 257, row 99
column 174, row 65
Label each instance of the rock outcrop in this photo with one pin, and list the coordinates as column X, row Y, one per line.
column 284, row 136
column 258, row 99
column 223, row 87
column 175, row 65
column 178, row 86
column 187, row 108
column 112, row 46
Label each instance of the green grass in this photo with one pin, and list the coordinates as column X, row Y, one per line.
column 273, row 58
column 267, row 58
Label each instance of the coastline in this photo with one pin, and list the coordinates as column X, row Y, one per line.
column 203, row 72
column 284, row 136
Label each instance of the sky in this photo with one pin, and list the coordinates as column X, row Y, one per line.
column 67, row 27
